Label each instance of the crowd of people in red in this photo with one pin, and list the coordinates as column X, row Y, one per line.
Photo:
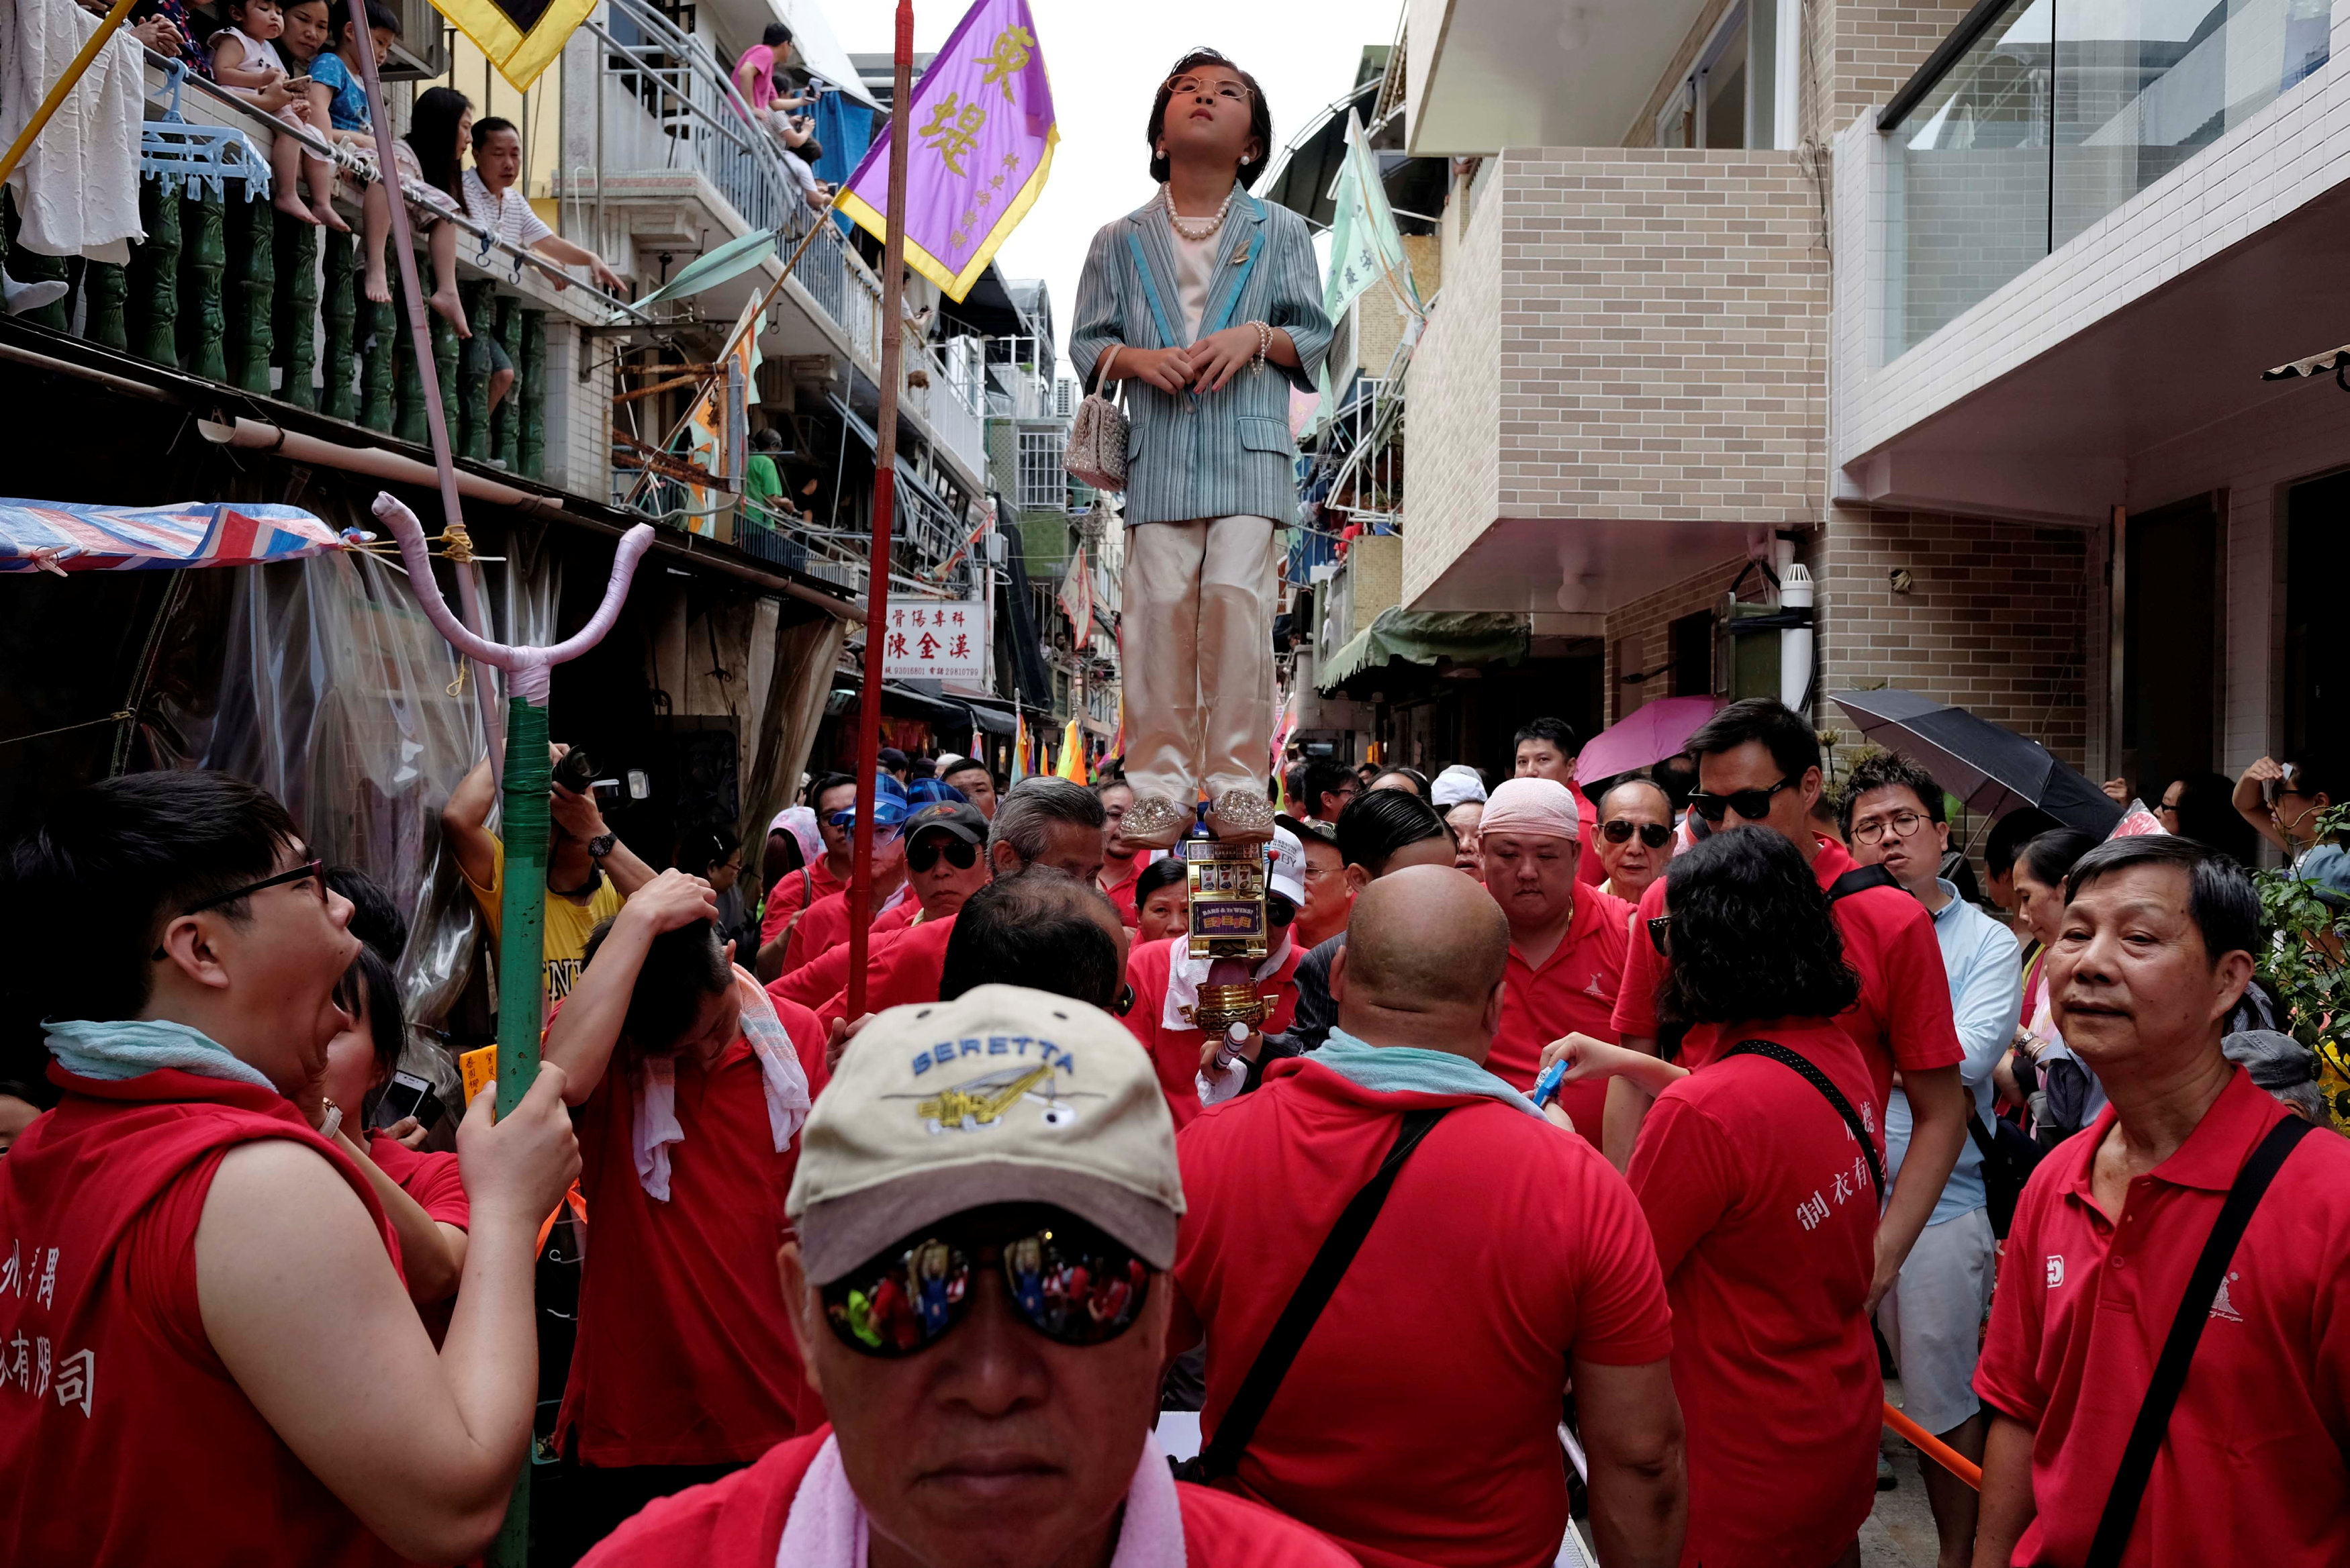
column 1585, row 1149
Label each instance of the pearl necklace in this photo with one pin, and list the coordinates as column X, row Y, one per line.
column 1191, row 228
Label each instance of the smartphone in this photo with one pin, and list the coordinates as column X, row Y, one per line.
column 408, row 1095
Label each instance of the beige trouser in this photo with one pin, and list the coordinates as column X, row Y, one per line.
column 1197, row 644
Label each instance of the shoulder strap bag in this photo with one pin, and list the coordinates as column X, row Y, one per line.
column 2179, row 1346
column 1221, row 1457
column 1095, row 453
column 1819, row 1080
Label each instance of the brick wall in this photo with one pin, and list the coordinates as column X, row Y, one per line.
column 1996, row 619
column 1639, row 636
column 1865, row 52
column 1452, row 483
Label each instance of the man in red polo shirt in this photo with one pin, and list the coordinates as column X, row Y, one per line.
column 1758, row 765
column 796, row 892
column 1039, row 821
column 1166, row 980
column 1121, row 862
column 689, row 1087
column 2155, row 949
column 1547, row 749
column 945, row 866
column 825, row 923
column 986, row 1213
column 1566, row 941
column 1417, row 1423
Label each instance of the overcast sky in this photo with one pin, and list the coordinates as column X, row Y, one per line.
column 1106, row 61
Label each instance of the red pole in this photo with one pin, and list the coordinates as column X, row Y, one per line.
column 885, row 499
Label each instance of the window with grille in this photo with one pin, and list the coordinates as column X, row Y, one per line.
column 1042, row 481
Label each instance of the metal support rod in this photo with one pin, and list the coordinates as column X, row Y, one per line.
column 885, row 487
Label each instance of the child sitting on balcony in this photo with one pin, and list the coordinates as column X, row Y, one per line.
column 245, row 60
column 335, row 90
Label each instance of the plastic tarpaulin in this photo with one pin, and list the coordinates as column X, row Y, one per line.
column 1464, row 637
column 337, row 697
column 67, row 536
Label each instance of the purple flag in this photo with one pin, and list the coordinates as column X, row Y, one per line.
column 981, row 144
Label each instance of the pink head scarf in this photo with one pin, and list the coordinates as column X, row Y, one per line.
column 1539, row 807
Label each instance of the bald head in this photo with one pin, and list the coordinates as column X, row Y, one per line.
column 1425, row 948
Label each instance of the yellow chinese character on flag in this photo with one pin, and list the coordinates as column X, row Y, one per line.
column 953, row 127
column 1007, row 58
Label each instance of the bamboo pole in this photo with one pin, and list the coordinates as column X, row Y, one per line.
column 884, row 497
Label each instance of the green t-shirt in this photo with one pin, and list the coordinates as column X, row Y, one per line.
column 761, row 485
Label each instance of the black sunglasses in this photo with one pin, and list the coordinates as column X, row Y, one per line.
column 924, row 852
column 1753, row 805
column 1658, row 929
column 1655, row 835
column 1066, row 1279
column 311, row 868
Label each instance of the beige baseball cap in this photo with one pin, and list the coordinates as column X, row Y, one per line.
column 1002, row 1095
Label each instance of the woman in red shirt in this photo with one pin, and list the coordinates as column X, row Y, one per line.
column 1763, row 1202
column 421, row 1193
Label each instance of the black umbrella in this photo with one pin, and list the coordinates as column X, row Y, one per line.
column 1993, row 770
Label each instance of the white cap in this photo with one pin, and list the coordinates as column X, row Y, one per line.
column 1454, row 784
column 1288, row 877
column 1002, row 1096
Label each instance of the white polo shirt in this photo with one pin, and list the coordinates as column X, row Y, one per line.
column 508, row 215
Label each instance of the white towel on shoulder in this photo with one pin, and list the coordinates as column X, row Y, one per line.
column 78, row 187
column 656, row 1129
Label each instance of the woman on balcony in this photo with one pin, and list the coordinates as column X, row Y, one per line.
column 1209, row 300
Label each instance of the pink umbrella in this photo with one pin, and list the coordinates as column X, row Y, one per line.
column 1652, row 732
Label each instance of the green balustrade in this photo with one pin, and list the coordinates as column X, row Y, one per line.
column 154, row 303
column 408, row 391
column 505, row 419
column 531, row 370
column 203, row 254
column 472, row 404
column 252, row 285
column 338, row 313
column 105, row 287
column 445, row 366
column 31, row 267
column 378, row 353
column 296, row 331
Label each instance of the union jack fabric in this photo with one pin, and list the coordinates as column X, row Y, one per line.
column 64, row 537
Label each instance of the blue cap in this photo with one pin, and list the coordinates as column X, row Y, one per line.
column 929, row 791
column 891, row 807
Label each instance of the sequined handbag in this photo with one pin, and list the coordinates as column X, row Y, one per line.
column 1095, row 453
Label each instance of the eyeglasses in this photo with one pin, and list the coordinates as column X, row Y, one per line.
column 314, row 870
column 924, row 852
column 1752, row 805
column 1659, row 929
column 1066, row 1281
column 1655, row 835
column 1230, row 92
column 1900, row 825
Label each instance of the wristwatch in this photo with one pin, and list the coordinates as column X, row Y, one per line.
column 601, row 845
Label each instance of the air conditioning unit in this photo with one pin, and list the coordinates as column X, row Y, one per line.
column 421, row 51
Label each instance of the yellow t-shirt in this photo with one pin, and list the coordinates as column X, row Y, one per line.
column 567, row 926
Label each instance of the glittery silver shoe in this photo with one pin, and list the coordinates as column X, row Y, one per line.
column 1154, row 822
column 1241, row 813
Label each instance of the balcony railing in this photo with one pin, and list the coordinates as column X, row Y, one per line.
column 2036, row 118
column 1019, row 379
column 226, row 288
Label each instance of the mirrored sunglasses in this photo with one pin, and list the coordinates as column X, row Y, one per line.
column 1065, row 1280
